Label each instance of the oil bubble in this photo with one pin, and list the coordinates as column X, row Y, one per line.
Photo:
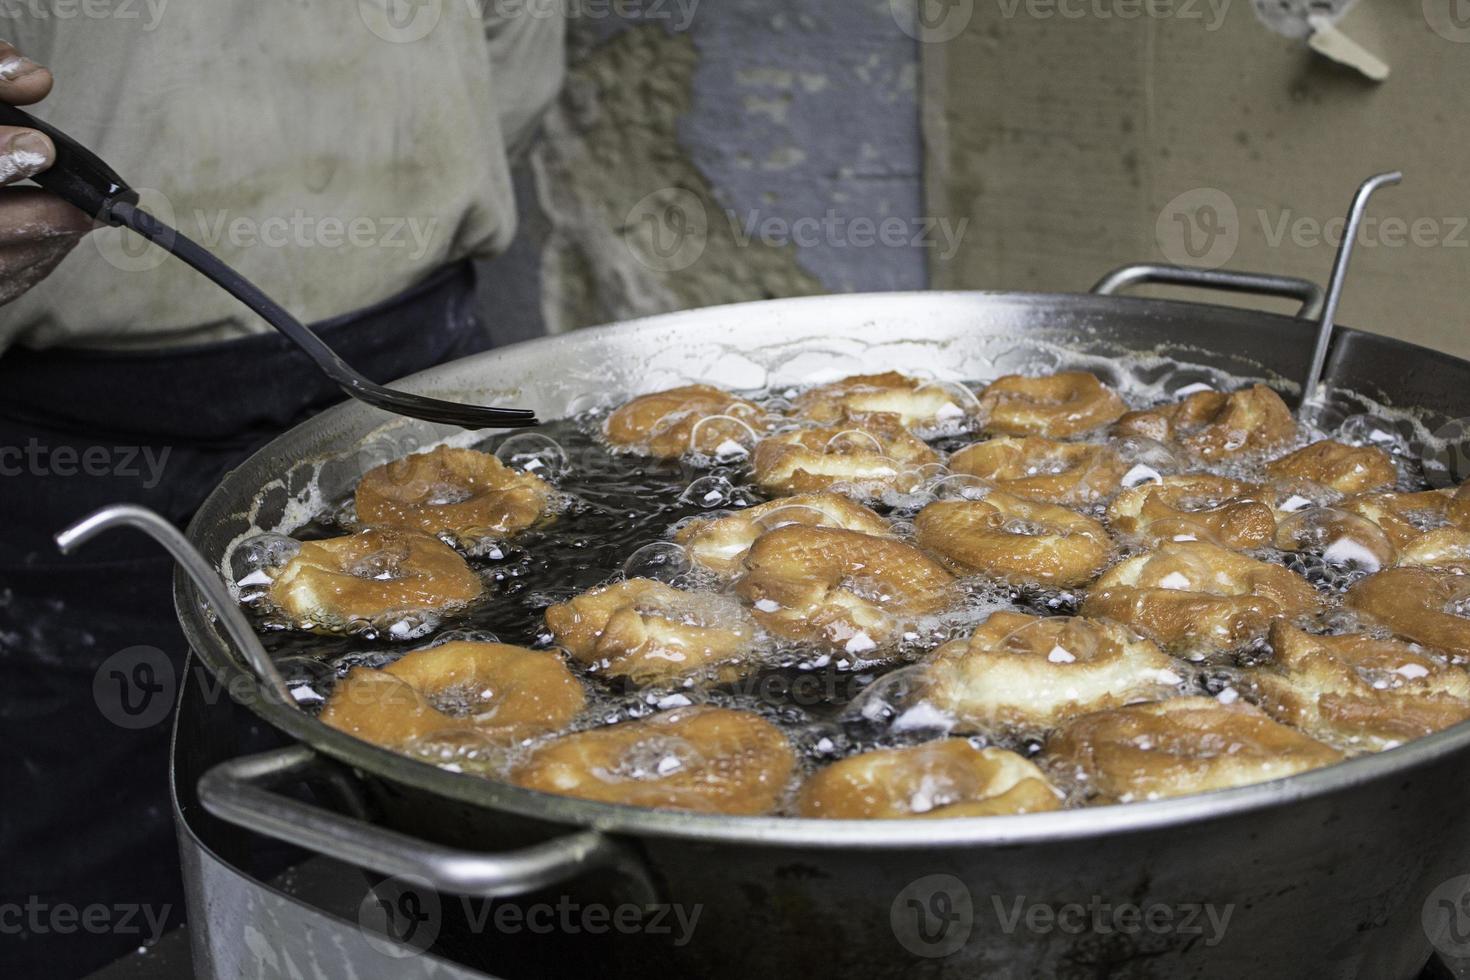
column 531, row 452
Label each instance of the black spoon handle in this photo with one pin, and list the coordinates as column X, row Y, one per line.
column 82, row 179
column 78, row 176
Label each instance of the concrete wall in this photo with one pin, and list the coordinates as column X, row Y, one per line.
column 721, row 151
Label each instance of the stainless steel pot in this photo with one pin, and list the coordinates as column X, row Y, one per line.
column 1321, row 875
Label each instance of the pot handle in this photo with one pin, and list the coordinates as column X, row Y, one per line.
column 239, row 792
column 1288, row 287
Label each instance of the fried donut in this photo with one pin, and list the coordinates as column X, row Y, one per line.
column 461, row 492
column 919, row 404
column 1056, row 406
column 1338, row 536
column 1194, row 598
column 1419, row 604
column 864, row 456
column 1358, row 689
column 1214, row 424
column 1027, row 671
column 948, row 778
column 1346, row 469
column 649, row 632
column 720, row 544
column 502, row 692
column 1429, row 528
column 1180, row 746
column 375, row 576
column 1197, row 507
column 1016, row 540
column 662, row 424
column 842, row 589
column 1072, row 474
column 710, row 760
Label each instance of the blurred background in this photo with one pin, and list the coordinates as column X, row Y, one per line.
column 709, row 153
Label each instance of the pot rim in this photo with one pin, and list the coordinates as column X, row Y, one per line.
column 900, row 834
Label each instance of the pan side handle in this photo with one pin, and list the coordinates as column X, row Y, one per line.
column 1308, row 293
column 240, row 792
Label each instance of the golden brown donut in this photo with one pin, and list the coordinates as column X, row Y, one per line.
column 947, row 778
column 502, row 692
column 468, row 494
column 1359, row 690
column 919, row 404
column 662, row 424
column 1346, row 469
column 375, row 576
column 720, row 544
column 841, row 589
column 649, row 632
column 1180, row 746
column 1340, row 537
column 710, row 760
column 1016, row 540
column 1027, row 671
column 1419, row 604
column 1194, row 598
column 861, row 456
column 1072, row 474
column 1197, row 507
column 1214, row 424
column 1430, row 528
column 1056, row 406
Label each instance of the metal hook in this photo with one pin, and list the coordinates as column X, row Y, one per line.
column 197, row 568
column 1334, row 286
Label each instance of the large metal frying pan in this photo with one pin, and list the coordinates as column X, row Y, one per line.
column 1325, row 874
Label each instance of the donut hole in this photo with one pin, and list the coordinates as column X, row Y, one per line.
column 531, row 452
column 1065, row 640
column 1344, row 541
column 653, row 758
column 383, row 565
column 722, row 438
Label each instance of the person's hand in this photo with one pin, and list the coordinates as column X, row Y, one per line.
column 37, row 229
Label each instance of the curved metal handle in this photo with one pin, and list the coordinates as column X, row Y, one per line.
column 198, row 569
column 1334, row 288
column 236, row 792
column 1260, row 284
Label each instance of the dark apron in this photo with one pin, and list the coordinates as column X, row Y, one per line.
column 89, row 647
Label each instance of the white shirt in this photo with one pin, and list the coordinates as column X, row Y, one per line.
column 334, row 151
